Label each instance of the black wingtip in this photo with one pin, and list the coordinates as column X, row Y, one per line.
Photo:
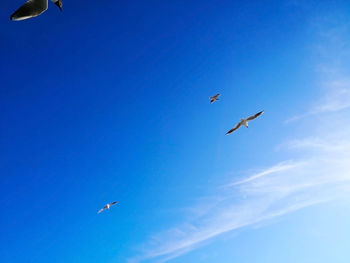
column 59, row 5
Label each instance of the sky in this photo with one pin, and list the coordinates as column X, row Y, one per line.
column 109, row 101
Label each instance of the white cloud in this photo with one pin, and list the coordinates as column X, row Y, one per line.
column 277, row 190
column 281, row 167
column 337, row 98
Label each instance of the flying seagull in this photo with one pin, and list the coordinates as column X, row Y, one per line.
column 244, row 122
column 214, row 98
column 107, row 206
column 33, row 8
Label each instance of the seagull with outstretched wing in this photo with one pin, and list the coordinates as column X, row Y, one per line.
column 244, row 122
column 107, row 206
column 33, row 8
column 214, row 98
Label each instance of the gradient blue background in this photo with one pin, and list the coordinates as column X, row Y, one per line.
column 108, row 100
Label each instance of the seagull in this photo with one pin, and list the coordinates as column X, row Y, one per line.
column 33, row 8
column 107, row 206
column 244, row 122
column 214, row 98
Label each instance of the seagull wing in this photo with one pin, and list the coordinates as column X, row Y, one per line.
column 29, row 9
column 234, row 128
column 255, row 116
column 99, row 211
column 113, row 203
column 214, row 98
column 103, row 208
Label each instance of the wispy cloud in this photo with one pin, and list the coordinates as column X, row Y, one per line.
column 277, row 190
column 333, row 53
column 327, row 144
column 319, row 173
column 281, row 167
column 336, row 98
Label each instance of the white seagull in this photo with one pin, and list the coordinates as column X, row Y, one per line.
column 107, row 206
column 244, row 122
column 214, row 98
column 33, row 8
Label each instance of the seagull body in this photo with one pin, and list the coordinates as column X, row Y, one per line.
column 244, row 122
column 214, row 98
column 33, row 8
column 107, row 206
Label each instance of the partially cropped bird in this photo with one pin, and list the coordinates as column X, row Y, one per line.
column 244, row 122
column 214, row 98
column 107, row 206
column 33, row 8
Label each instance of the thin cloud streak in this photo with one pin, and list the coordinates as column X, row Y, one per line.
column 278, row 190
column 274, row 169
column 336, row 99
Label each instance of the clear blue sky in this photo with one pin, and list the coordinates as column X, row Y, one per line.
column 108, row 100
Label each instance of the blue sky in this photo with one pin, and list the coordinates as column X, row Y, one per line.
column 109, row 101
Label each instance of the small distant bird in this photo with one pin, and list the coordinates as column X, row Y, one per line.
column 107, row 206
column 245, row 122
column 214, row 98
column 33, row 8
